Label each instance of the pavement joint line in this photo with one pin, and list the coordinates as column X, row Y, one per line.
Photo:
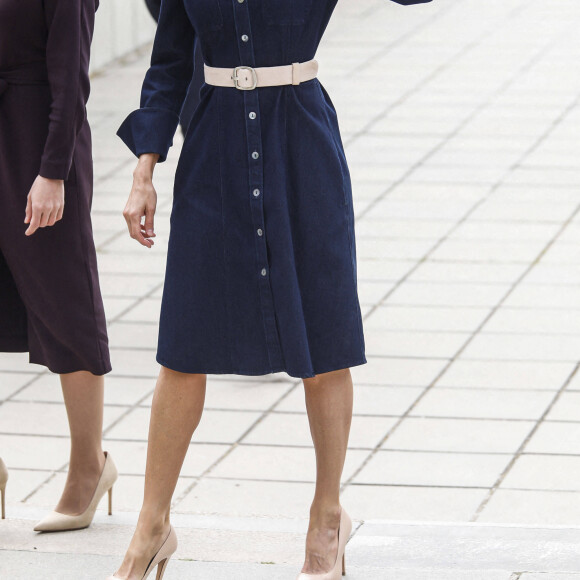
column 140, row 300
column 32, row 380
column 383, row 51
column 481, row 325
column 437, row 220
column 197, row 479
column 65, row 465
column 524, row 444
column 233, row 446
column 243, row 523
column 114, row 237
column 470, row 239
column 477, row 110
column 428, row 78
column 408, row 356
column 129, row 58
column 484, row 322
column 309, row 447
column 98, row 179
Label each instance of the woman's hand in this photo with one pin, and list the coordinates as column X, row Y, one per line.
column 142, row 201
column 45, row 204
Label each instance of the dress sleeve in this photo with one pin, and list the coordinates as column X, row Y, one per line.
column 70, row 26
column 150, row 129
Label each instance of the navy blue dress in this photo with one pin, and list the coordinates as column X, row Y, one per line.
column 261, row 268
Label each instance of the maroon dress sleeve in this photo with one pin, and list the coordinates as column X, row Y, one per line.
column 70, row 25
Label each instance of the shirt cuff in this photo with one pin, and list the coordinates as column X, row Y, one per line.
column 411, row 2
column 149, row 130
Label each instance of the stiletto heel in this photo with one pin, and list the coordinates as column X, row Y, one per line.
column 57, row 522
column 161, row 569
column 344, row 530
column 161, row 559
column 3, row 481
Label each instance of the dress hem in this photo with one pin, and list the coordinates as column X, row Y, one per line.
column 98, row 372
column 187, row 370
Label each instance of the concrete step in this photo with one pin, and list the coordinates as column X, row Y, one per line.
column 222, row 547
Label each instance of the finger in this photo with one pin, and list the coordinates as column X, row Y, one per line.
column 136, row 226
column 127, row 214
column 28, row 211
column 145, row 236
column 142, row 240
column 52, row 217
column 149, row 220
column 60, row 213
column 143, row 231
column 133, row 219
column 44, row 217
column 135, row 229
column 34, row 223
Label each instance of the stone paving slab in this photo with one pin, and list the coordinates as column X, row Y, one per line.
column 270, row 548
column 24, row 565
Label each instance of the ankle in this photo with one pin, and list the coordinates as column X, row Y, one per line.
column 153, row 523
column 325, row 515
column 90, row 466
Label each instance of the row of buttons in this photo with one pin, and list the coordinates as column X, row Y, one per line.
column 255, row 152
column 255, row 155
column 256, row 192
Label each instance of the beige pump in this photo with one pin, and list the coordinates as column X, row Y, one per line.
column 344, row 530
column 161, row 559
column 3, row 481
column 57, row 522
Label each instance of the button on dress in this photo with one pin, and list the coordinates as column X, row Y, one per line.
column 261, row 265
column 50, row 301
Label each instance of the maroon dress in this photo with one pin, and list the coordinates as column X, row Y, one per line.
column 50, row 301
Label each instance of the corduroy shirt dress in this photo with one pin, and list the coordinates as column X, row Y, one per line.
column 50, row 301
column 261, row 268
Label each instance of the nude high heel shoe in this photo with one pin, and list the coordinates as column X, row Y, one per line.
column 57, row 522
column 3, row 480
column 344, row 530
column 161, row 559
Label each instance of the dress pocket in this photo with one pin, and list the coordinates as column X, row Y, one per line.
column 335, row 138
column 286, row 12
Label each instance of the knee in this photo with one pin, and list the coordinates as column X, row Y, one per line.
column 181, row 379
column 324, row 379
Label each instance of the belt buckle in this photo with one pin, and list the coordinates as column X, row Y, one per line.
column 237, row 82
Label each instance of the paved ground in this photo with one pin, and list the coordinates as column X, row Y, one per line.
column 461, row 129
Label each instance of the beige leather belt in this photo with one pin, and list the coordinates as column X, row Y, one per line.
column 246, row 78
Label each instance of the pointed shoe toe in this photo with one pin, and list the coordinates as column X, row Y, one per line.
column 57, row 522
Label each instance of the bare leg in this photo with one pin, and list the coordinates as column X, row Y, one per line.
column 175, row 414
column 83, row 396
column 329, row 400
